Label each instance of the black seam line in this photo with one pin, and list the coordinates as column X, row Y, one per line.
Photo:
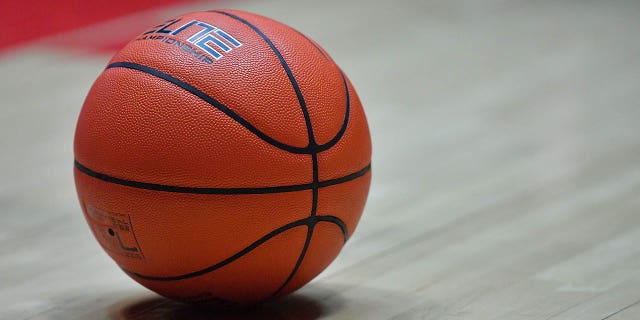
column 228, row 191
column 243, row 122
column 336, row 221
column 308, row 221
column 215, row 103
column 307, row 241
column 312, row 142
column 314, row 209
column 314, row 188
column 285, row 66
column 343, row 129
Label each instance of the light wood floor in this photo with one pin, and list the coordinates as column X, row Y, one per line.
column 506, row 168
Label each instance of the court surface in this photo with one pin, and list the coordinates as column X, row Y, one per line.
column 506, row 165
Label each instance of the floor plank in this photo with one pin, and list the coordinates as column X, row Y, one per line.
column 506, row 176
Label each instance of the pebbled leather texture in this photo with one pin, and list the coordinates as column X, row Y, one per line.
column 228, row 182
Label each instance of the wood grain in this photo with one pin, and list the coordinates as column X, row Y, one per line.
column 506, row 168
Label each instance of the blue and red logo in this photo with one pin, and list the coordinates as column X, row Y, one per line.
column 206, row 42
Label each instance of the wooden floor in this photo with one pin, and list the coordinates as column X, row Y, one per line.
column 506, row 168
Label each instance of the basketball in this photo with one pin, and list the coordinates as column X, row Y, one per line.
column 222, row 157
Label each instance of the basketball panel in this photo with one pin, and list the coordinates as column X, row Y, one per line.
column 319, row 80
column 352, row 152
column 345, row 201
column 135, row 126
column 326, row 242
column 252, row 278
column 170, row 234
column 248, row 79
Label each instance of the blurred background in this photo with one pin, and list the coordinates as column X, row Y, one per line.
column 506, row 176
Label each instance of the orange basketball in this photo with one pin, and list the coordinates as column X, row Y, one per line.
column 222, row 157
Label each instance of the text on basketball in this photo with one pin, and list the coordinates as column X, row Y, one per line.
column 211, row 40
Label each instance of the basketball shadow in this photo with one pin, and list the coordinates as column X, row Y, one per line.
column 153, row 307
